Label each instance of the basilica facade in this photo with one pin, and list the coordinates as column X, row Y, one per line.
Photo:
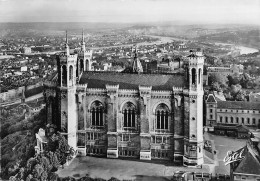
column 137, row 115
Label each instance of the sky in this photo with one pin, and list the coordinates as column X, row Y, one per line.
column 131, row 11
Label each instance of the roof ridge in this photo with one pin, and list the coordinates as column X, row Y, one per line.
column 124, row 73
column 249, row 154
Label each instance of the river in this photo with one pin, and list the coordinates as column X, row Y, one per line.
column 243, row 49
column 166, row 39
column 162, row 40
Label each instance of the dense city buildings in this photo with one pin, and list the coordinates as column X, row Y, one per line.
column 146, row 116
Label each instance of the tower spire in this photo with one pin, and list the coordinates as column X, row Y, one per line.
column 66, row 37
column 83, row 48
column 82, row 35
column 137, row 66
column 67, row 49
column 136, row 53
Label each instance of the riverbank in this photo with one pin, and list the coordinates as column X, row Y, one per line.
column 162, row 40
column 243, row 49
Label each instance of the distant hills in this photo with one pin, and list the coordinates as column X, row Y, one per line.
column 226, row 33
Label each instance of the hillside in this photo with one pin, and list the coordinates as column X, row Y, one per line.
column 18, row 137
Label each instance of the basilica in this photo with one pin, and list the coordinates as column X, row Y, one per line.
column 135, row 115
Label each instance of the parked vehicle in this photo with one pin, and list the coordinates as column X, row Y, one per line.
column 191, row 176
column 182, row 176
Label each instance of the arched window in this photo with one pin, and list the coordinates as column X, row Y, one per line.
column 231, row 119
column 242, row 120
column 64, row 74
column 77, row 69
column 81, row 66
column 199, row 75
column 248, row 120
column 237, row 119
column 97, row 114
column 162, row 116
column 193, row 76
column 188, row 78
column 71, row 72
column 253, row 120
column 87, row 65
column 129, row 111
column 220, row 119
column 226, row 119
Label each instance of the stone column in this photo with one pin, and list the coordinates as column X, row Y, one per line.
column 80, row 110
column 72, row 117
column 178, row 127
column 112, row 93
column 49, row 110
column 145, row 137
column 61, row 76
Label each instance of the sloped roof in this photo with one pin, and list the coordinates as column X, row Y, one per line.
column 52, row 76
column 219, row 96
column 242, row 128
column 249, row 165
column 239, row 105
column 192, row 55
column 132, row 81
column 35, row 104
column 211, row 99
column 33, row 91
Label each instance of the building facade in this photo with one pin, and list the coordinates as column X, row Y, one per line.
column 26, row 50
column 145, row 116
column 232, row 112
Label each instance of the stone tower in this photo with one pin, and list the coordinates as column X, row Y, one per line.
column 137, row 66
column 67, row 67
column 193, row 110
column 84, row 58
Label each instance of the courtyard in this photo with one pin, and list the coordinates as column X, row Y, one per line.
column 128, row 169
column 123, row 169
column 223, row 144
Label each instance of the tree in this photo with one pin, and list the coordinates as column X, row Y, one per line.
column 244, row 80
column 228, row 96
column 235, row 89
column 215, row 87
column 232, row 80
column 241, row 96
column 237, row 93
column 216, row 77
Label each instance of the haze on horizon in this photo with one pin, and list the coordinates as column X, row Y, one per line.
column 132, row 11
